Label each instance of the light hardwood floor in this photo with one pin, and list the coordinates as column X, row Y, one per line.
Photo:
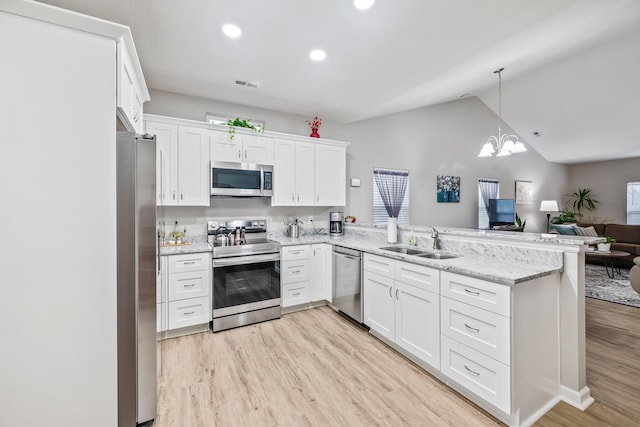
column 316, row 368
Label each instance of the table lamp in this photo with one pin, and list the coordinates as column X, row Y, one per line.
column 548, row 206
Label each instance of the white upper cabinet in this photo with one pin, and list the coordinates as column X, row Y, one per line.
column 242, row 148
column 182, row 164
column 293, row 173
column 193, row 167
column 330, row 175
column 308, row 174
column 131, row 93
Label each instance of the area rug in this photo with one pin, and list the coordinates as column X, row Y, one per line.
column 598, row 285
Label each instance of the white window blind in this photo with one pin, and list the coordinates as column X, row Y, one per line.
column 633, row 202
column 492, row 187
column 379, row 211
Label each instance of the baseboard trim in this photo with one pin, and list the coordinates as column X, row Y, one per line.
column 540, row 412
column 578, row 399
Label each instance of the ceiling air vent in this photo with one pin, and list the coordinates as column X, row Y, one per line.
column 248, row 84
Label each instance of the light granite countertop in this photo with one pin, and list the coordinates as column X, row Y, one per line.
column 194, row 247
column 483, row 266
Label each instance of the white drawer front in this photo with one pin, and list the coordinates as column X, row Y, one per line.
column 189, row 262
column 189, row 312
column 480, row 374
column 479, row 293
column 191, row 284
column 295, row 293
column 482, row 330
column 380, row 265
column 295, row 271
column 419, row 276
column 296, row 252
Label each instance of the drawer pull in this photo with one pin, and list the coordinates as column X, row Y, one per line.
column 191, row 313
column 471, row 292
column 296, row 294
column 295, row 252
column 189, row 262
column 191, row 285
column 471, row 371
column 471, row 328
column 295, row 272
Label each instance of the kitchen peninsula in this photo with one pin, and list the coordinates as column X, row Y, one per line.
column 553, row 267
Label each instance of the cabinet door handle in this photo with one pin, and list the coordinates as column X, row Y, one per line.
column 239, row 154
column 318, row 198
column 245, row 154
column 298, row 197
column 293, row 197
column 397, row 296
column 471, row 292
column 174, row 194
column 471, row 328
column 182, row 195
column 390, row 292
column 471, row 371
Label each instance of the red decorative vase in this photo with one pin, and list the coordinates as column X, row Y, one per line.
column 314, row 133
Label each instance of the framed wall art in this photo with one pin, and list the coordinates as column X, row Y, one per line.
column 448, row 189
column 524, row 193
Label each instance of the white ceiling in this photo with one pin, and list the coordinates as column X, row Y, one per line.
column 571, row 66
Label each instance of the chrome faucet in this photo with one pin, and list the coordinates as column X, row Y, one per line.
column 434, row 236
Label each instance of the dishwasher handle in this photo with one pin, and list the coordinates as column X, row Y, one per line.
column 355, row 258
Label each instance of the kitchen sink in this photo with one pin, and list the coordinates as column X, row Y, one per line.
column 433, row 255
column 420, row 253
column 401, row 250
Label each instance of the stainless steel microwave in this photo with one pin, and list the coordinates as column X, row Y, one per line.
column 241, row 179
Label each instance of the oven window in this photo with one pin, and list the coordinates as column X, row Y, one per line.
column 236, row 178
column 244, row 284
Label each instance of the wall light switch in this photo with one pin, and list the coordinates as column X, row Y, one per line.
column 355, row 182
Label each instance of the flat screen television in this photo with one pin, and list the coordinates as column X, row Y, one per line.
column 501, row 212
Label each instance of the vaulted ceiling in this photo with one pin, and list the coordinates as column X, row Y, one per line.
column 571, row 66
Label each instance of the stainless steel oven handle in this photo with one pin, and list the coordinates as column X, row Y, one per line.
column 242, row 260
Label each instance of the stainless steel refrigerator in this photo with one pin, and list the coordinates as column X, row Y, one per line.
column 137, row 251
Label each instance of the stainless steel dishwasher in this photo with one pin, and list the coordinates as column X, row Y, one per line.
column 347, row 282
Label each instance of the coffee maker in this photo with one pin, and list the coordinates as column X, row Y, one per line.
column 336, row 228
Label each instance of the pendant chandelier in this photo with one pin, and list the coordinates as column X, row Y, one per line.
column 503, row 144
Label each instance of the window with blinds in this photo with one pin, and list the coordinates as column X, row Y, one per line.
column 488, row 188
column 379, row 212
column 633, row 202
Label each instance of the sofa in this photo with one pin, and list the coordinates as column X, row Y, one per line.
column 627, row 239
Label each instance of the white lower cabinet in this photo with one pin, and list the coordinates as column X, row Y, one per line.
column 496, row 344
column 402, row 304
column 305, row 274
column 186, row 292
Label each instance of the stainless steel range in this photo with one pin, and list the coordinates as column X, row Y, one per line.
column 246, row 273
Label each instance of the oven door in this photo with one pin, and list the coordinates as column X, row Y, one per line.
column 245, row 283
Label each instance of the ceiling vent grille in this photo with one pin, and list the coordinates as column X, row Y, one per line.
column 248, row 84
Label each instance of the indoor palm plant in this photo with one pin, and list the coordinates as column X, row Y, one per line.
column 582, row 199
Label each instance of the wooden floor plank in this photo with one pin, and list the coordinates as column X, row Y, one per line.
column 315, row 368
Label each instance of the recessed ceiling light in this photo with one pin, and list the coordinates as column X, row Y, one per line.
column 231, row 30
column 318, row 55
column 363, row 4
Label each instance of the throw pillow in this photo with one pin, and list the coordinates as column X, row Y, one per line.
column 585, row 231
column 566, row 229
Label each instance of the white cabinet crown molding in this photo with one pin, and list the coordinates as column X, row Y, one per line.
column 241, row 131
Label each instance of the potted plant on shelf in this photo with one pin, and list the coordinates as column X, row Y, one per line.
column 606, row 247
column 233, row 124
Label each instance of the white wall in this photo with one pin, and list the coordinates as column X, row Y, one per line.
column 608, row 182
column 58, row 362
column 439, row 140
